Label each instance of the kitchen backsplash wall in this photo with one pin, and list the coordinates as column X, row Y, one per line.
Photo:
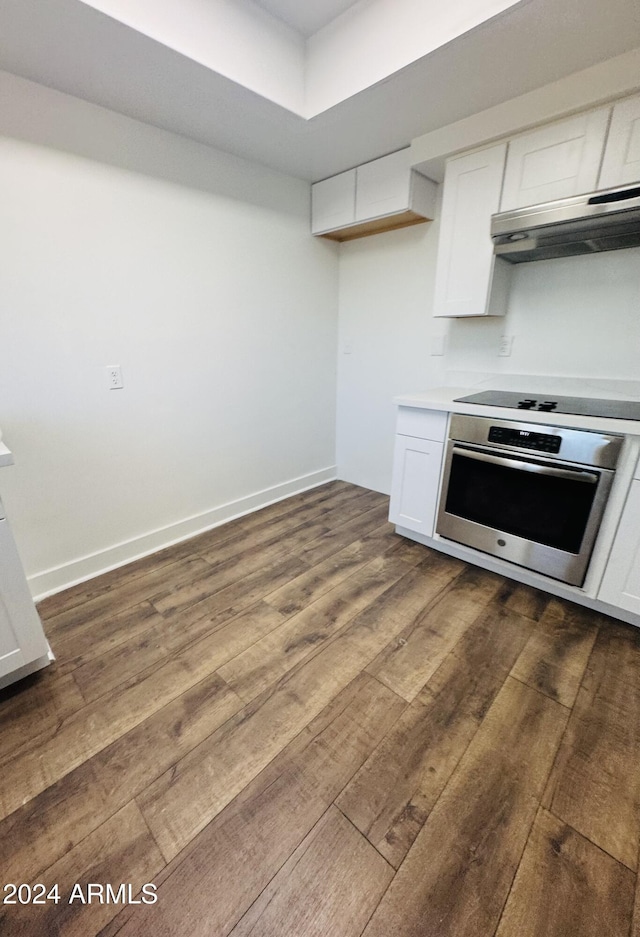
column 571, row 317
column 574, row 317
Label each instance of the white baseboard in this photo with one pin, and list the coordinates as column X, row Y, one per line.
column 76, row 571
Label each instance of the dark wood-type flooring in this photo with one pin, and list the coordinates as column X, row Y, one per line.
column 301, row 725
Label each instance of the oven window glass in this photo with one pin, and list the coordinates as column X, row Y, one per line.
column 542, row 508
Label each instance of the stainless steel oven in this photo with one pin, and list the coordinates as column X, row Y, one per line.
column 530, row 494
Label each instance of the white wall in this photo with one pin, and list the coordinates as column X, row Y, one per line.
column 236, row 38
column 576, row 317
column 386, row 285
column 571, row 317
column 365, row 44
column 194, row 271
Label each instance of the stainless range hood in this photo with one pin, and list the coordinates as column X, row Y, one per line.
column 601, row 221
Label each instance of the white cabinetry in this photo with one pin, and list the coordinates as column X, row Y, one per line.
column 22, row 640
column 378, row 196
column 621, row 163
column 416, row 469
column 621, row 582
column 466, row 267
column 333, row 202
column 556, row 161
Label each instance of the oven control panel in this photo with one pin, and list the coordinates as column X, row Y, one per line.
column 524, row 439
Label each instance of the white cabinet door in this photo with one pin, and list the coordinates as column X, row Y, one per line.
column 11, row 656
column 621, row 163
column 22, row 639
column 415, row 481
column 333, row 202
column 466, row 263
column 621, row 582
column 382, row 186
column 555, row 161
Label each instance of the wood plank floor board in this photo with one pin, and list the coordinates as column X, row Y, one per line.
column 217, row 642
column 183, row 801
column 322, row 577
column 215, row 578
column 315, row 520
column 457, row 875
column 302, row 723
column 235, row 857
column 332, row 541
column 121, row 851
column 392, row 795
column 34, row 706
column 97, row 638
column 567, row 887
column 55, row 821
column 247, row 526
column 406, row 665
column 331, row 884
column 92, row 728
column 635, row 927
column 233, row 598
column 113, row 580
column 130, row 593
column 302, row 635
column 595, row 783
column 555, row 657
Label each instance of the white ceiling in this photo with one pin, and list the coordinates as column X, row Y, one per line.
column 306, row 16
column 69, row 46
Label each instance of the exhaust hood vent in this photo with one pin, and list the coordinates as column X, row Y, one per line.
column 583, row 224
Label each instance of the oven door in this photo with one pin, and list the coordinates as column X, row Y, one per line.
column 541, row 515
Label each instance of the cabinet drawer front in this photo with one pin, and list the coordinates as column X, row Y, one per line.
column 423, row 424
column 621, row 164
column 557, row 161
column 333, row 202
column 382, row 186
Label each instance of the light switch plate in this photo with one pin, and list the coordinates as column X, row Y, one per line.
column 505, row 346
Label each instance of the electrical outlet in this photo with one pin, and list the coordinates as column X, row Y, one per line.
column 505, row 346
column 114, row 377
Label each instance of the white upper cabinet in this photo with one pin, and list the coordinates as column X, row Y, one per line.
column 555, row 161
column 621, row 163
column 383, row 186
column 378, row 196
column 333, row 202
column 466, row 267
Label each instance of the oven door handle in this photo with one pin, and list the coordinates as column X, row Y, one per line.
column 577, row 475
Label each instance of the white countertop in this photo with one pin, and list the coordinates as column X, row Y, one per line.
column 442, row 398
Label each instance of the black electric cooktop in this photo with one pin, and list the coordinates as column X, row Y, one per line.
column 542, row 403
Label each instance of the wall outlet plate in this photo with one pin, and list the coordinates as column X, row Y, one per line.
column 114, row 377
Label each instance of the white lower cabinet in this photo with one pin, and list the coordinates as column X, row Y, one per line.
column 417, row 462
column 621, row 582
column 415, row 481
column 22, row 640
